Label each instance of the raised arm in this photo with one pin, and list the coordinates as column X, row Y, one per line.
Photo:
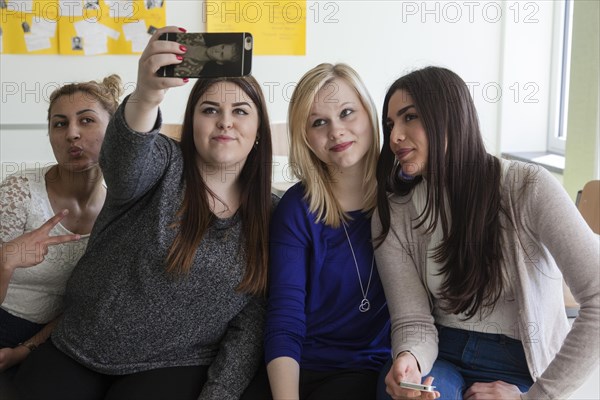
column 133, row 155
column 142, row 108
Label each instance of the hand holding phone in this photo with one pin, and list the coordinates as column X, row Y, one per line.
column 404, row 371
column 210, row 55
column 142, row 107
column 426, row 390
column 416, row 386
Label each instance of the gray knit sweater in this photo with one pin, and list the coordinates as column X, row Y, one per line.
column 124, row 314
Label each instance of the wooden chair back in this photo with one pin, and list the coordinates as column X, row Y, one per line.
column 588, row 204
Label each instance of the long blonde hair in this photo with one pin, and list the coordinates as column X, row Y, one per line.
column 304, row 163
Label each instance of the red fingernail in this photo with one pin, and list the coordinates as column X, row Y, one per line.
column 180, row 58
column 183, row 30
column 185, row 80
column 183, row 48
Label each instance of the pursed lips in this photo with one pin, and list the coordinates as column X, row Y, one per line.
column 75, row 151
column 400, row 154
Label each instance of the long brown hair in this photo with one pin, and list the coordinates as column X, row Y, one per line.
column 460, row 173
column 195, row 215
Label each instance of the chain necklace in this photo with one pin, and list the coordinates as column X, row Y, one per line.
column 365, row 305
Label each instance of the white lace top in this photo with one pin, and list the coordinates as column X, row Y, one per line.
column 35, row 293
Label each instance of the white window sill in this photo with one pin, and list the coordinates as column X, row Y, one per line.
column 551, row 161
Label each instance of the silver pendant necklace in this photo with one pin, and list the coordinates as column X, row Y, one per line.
column 365, row 305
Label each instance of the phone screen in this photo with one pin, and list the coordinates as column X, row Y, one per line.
column 211, row 55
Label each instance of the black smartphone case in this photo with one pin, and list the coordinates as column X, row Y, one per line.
column 194, row 66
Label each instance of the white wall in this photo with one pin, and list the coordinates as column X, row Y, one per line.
column 493, row 45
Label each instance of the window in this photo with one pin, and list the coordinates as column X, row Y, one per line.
column 559, row 104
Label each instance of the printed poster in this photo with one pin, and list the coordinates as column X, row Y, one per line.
column 79, row 27
column 28, row 26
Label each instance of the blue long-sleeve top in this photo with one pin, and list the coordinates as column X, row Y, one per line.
column 314, row 293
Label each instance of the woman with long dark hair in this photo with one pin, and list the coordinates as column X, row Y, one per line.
column 168, row 299
column 471, row 250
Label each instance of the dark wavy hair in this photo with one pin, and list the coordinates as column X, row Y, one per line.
column 255, row 201
column 459, row 173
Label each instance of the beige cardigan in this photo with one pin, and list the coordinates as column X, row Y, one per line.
column 551, row 237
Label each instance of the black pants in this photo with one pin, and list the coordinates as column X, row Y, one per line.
column 7, row 388
column 49, row 374
column 317, row 385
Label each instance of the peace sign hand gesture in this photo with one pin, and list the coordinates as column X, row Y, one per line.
column 30, row 248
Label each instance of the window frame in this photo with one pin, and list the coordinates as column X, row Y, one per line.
column 560, row 76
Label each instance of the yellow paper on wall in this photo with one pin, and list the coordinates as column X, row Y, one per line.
column 28, row 27
column 278, row 26
column 82, row 31
column 110, row 27
column 78, row 27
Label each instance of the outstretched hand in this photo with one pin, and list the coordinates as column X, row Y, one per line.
column 405, row 369
column 30, row 248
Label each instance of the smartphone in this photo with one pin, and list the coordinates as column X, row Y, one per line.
column 416, row 386
column 210, row 55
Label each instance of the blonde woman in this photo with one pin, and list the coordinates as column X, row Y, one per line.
column 327, row 320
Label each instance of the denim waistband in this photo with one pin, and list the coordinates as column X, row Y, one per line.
column 456, row 333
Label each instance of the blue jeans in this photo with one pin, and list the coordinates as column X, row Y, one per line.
column 466, row 357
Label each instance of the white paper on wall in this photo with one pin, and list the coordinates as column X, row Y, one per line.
column 113, row 34
column 43, row 27
column 138, row 43
column 134, row 29
column 95, row 44
column 35, row 42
